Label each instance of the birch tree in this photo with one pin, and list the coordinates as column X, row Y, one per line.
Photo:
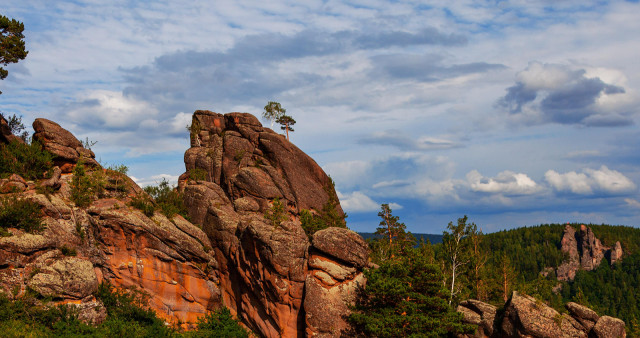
column 456, row 251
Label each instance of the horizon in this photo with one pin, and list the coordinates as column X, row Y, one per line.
column 514, row 115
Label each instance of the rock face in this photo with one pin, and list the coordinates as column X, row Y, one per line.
column 169, row 259
column 276, row 279
column 584, row 251
column 524, row 316
column 273, row 277
column 62, row 144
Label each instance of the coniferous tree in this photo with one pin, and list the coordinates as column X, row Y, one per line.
column 404, row 297
column 479, row 258
column 12, row 48
column 394, row 238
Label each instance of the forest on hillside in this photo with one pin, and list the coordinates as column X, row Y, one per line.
column 471, row 265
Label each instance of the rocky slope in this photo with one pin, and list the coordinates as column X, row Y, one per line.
column 584, row 251
column 524, row 316
column 277, row 280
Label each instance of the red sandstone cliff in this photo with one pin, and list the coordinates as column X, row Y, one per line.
column 277, row 280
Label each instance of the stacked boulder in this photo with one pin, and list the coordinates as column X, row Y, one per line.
column 525, row 316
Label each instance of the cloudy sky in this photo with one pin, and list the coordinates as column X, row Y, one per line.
column 511, row 112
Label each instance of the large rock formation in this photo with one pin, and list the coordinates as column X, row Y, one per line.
column 525, row 316
column 273, row 277
column 584, row 251
column 276, row 279
column 66, row 148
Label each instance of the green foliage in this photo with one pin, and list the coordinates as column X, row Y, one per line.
column 128, row 315
column 239, row 155
column 20, row 214
column 404, row 297
column 277, row 213
column 198, row 174
column 531, row 249
column 310, row 222
column 274, row 112
column 86, row 187
column 67, row 251
column 327, row 217
column 27, row 160
column 456, row 254
column 286, row 122
column 144, row 204
column 12, row 47
column 16, row 126
column 219, row 323
column 117, row 176
column 394, row 239
column 169, row 200
column 609, row 290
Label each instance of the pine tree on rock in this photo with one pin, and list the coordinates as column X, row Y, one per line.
column 274, row 112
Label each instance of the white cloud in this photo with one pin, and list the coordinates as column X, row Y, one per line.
column 111, row 109
column 357, row 202
column 577, row 183
column 506, row 182
column 602, row 180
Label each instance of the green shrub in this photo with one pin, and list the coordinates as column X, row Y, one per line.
column 277, row 213
column 169, row 200
column 67, row 251
column 86, row 187
column 20, row 214
column 198, row 174
column 327, row 217
column 128, row 314
column 219, row 323
column 117, row 176
column 144, row 204
column 27, row 160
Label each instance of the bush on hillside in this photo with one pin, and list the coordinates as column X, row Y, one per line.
column 27, row 160
column 20, row 214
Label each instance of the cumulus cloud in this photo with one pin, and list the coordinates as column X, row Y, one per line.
column 591, row 181
column 553, row 93
column 400, row 140
column 506, row 182
column 109, row 109
column 357, row 202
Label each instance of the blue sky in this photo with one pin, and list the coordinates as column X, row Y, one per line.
column 511, row 112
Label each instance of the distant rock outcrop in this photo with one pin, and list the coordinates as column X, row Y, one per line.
column 584, row 251
column 525, row 316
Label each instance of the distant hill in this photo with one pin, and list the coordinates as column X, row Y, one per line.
column 434, row 238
